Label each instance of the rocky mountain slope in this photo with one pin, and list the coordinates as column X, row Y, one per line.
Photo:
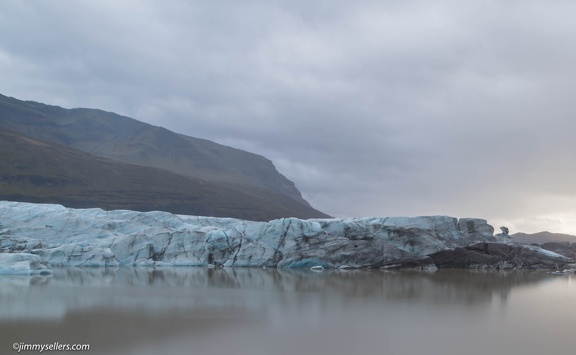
column 36, row 171
column 189, row 167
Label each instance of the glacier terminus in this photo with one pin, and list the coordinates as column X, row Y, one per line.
column 36, row 237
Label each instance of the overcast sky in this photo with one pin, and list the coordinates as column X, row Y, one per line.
column 373, row 108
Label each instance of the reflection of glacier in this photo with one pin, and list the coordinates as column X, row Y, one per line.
column 248, row 291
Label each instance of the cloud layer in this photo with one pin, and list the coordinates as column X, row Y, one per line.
column 371, row 107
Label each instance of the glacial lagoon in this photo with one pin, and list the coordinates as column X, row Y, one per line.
column 268, row 311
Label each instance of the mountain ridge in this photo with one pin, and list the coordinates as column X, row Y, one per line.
column 542, row 237
column 126, row 139
column 74, row 138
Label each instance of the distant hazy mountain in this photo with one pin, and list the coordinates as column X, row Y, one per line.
column 92, row 158
column 542, row 237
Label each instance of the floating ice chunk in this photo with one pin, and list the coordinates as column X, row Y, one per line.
column 23, row 264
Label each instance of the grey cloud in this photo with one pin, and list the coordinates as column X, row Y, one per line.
column 371, row 107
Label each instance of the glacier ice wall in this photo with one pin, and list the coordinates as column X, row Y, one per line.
column 94, row 237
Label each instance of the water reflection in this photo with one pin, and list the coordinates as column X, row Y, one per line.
column 132, row 310
column 102, row 285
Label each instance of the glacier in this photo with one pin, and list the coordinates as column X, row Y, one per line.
column 35, row 237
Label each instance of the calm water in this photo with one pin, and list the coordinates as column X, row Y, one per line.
column 254, row 311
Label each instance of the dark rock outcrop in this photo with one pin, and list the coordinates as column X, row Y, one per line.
column 499, row 256
column 563, row 248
